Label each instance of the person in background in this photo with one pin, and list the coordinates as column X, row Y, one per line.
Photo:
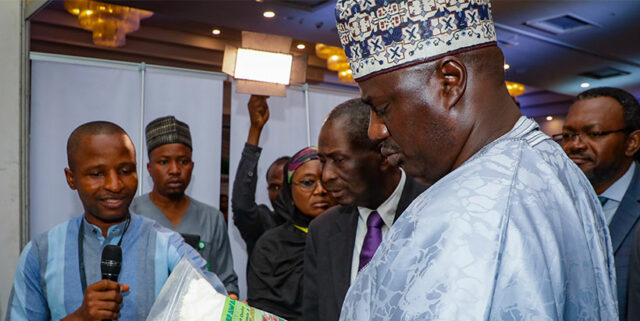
column 203, row 226
column 372, row 194
column 276, row 266
column 59, row 275
column 510, row 229
column 224, row 205
column 252, row 219
column 601, row 134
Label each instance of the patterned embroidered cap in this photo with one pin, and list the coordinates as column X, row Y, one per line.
column 379, row 36
column 167, row 130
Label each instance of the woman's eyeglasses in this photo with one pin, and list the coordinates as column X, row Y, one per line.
column 308, row 184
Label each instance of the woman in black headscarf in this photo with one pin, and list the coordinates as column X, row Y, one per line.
column 276, row 265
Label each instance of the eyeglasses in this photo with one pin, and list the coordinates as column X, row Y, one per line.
column 307, row 185
column 589, row 135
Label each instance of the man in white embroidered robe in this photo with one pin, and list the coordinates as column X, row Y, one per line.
column 511, row 229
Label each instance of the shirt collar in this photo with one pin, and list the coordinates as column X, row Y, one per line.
column 523, row 126
column 387, row 209
column 617, row 190
column 91, row 230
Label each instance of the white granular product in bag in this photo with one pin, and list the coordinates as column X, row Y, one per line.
column 201, row 302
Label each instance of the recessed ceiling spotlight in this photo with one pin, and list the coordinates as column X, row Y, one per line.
column 259, row 0
column 585, row 85
column 549, row 117
column 216, row 32
column 506, row 66
column 269, row 14
column 301, row 46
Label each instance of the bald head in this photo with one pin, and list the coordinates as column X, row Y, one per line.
column 484, row 65
column 89, row 129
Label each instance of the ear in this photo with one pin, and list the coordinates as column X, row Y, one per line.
column 70, row 179
column 149, row 168
column 453, row 80
column 633, row 143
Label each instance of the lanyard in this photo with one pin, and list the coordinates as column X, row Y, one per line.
column 302, row 228
column 83, row 276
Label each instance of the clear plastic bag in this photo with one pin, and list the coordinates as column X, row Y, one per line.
column 189, row 295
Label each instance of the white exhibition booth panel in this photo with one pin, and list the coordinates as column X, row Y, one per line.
column 69, row 91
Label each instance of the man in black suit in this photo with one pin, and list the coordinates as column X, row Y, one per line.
column 342, row 240
column 602, row 136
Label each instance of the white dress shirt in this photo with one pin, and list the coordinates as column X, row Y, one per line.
column 616, row 192
column 387, row 211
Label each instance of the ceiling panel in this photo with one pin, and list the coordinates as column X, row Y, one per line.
column 545, row 61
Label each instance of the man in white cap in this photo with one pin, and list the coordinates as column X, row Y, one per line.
column 511, row 229
column 201, row 225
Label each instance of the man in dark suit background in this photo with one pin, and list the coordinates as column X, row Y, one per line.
column 372, row 194
column 601, row 135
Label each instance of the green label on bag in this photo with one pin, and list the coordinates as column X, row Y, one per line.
column 235, row 310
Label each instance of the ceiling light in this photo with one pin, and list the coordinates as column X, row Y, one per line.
column 549, row 117
column 109, row 23
column 585, row 85
column 336, row 60
column 301, row 46
column 269, row 14
column 514, row 88
column 216, row 32
column 506, row 66
column 263, row 66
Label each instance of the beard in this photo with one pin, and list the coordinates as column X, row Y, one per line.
column 175, row 195
column 600, row 175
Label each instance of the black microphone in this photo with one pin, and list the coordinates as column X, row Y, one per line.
column 111, row 262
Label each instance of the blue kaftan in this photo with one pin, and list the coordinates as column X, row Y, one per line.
column 515, row 233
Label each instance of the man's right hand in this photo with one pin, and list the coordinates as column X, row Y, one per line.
column 101, row 302
column 258, row 110
column 259, row 114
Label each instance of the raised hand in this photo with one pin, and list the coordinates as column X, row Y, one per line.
column 258, row 110
column 259, row 114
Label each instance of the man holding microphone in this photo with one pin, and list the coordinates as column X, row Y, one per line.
column 59, row 273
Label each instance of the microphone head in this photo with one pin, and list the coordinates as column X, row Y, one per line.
column 111, row 262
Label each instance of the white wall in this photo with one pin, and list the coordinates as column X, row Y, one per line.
column 10, row 25
column 64, row 96
column 69, row 91
column 196, row 99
